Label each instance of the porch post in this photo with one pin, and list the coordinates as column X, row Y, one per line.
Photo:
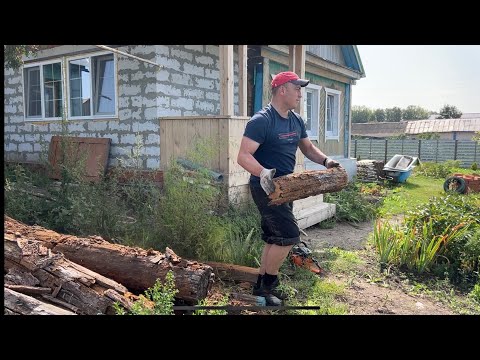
column 226, row 79
column 299, row 69
column 242, row 80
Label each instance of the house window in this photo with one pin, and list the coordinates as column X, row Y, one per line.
column 90, row 88
column 311, row 103
column 43, row 91
column 332, row 114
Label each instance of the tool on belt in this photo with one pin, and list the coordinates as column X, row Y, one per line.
column 300, row 255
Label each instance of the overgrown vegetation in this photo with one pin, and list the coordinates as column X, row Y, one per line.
column 188, row 215
column 158, row 300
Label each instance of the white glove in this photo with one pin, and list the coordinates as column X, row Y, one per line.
column 266, row 180
column 330, row 163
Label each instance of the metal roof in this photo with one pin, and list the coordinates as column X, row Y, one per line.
column 442, row 125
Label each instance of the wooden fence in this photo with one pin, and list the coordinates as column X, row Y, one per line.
column 467, row 152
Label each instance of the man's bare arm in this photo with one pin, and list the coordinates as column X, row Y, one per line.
column 311, row 151
column 245, row 156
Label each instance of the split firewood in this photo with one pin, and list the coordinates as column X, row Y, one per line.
column 307, row 183
column 70, row 285
column 135, row 268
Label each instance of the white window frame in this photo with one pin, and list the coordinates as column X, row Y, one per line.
column 336, row 115
column 64, row 61
column 42, row 91
column 91, row 116
column 315, row 91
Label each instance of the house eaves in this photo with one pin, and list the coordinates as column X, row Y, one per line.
column 313, row 60
column 352, row 58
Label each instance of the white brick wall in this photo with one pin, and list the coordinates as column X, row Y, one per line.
column 153, row 163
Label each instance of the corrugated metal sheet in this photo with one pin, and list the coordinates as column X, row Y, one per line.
column 442, row 125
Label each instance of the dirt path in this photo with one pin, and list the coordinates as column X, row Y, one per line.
column 366, row 297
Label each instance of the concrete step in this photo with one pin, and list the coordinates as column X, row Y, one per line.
column 313, row 215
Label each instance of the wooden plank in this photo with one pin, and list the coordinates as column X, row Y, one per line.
column 242, row 80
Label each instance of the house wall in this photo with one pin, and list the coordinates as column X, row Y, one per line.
column 187, row 85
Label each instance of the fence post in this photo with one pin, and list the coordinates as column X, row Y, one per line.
column 370, row 155
column 419, row 147
column 355, row 149
column 436, row 153
column 475, row 153
column 455, row 151
column 403, row 141
column 386, row 148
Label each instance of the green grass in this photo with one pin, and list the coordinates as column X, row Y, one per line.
column 406, row 196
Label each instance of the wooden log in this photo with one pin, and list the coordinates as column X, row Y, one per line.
column 71, row 285
column 16, row 303
column 133, row 267
column 307, row 183
column 234, row 272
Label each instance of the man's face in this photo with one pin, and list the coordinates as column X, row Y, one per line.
column 292, row 95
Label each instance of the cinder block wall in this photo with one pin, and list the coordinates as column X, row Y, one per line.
column 188, row 84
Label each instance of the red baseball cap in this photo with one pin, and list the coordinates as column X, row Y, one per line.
column 288, row 76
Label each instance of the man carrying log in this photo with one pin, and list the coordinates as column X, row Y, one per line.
column 267, row 150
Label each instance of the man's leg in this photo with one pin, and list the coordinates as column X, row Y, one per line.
column 275, row 258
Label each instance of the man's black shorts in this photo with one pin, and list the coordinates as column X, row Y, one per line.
column 279, row 225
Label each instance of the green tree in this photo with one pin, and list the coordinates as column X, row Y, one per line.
column 413, row 112
column 379, row 115
column 14, row 53
column 362, row 114
column 449, row 112
column 393, row 114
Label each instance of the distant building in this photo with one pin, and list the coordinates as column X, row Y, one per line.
column 464, row 116
column 379, row 130
column 447, row 129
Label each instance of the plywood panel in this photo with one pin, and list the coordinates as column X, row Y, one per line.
column 73, row 151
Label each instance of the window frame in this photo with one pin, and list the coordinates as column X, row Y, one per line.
column 40, row 65
column 65, row 73
column 92, row 80
column 336, row 95
column 315, row 90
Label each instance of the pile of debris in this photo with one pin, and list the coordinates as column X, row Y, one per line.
column 370, row 170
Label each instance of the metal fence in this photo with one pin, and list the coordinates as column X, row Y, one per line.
column 467, row 152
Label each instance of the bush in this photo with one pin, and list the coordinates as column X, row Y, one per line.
column 351, row 205
column 461, row 256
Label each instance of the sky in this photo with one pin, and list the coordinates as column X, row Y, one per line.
column 429, row 76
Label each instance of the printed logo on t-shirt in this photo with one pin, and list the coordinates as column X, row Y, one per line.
column 290, row 136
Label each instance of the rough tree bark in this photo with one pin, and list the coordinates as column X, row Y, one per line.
column 70, row 285
column 133, row 267
column 307, row 183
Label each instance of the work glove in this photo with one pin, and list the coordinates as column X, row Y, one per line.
column 330, row 163
column 266, row 180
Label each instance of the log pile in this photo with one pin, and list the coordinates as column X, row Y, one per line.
column 47, row 272
column 370, row 170
column 307, row 183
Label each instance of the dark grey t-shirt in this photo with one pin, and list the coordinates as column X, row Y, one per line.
column 278, row 138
